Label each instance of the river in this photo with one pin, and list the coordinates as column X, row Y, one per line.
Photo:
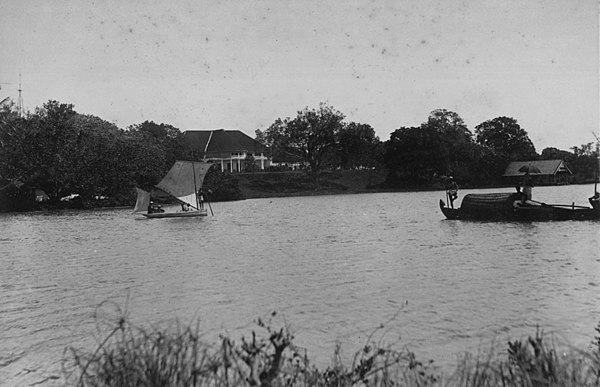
column 333, row 267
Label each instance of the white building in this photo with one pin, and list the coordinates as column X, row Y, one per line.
column 231, row 149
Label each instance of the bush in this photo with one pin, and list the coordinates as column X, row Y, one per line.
column 221, row 186
column 132, row 356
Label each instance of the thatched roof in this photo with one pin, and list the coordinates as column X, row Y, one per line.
column 546, row 167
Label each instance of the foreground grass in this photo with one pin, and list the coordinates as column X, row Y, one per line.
column 132, row 356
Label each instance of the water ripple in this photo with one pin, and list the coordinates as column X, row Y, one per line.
column 335, row 268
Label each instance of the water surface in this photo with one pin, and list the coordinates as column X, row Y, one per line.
column 333, row 267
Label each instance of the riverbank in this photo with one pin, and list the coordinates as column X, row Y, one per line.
column 298, row 183
column 240, row 186
column 219, row 187
column 339, row 182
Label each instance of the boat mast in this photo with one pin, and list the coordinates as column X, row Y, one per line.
column 598, row 166
column 597, row 143
column 195, row 187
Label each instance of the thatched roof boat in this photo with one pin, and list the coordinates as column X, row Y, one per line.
column 507, row 206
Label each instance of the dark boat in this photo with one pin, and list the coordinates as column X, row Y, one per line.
column 507, row 206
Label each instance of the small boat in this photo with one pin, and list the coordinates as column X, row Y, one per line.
column 184, row 183
column 507, row 206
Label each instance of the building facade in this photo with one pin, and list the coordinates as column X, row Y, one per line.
column 231, row 150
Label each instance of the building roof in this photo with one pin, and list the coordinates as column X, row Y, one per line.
column 547, row 167
column 218, row 141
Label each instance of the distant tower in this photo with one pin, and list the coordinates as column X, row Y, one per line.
column 20, row 100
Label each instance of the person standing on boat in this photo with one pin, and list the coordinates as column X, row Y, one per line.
column 452, row 189
column 527, row 187
column 151, row 207
column 201, row 198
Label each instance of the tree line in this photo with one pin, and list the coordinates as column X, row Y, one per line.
column 60, row 151
column 418, row 156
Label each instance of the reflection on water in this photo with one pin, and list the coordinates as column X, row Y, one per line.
column 335, row 267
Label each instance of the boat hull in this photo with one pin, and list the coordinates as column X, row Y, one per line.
column 540, row 212
column 548, row 212
column 189, row 214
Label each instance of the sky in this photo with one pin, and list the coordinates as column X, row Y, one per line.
column 198, row 64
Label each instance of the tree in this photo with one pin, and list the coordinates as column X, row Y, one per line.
column 453, row 143
column 48, row 147
column 261, row 136
column 13, row 159
column 409, row 156
column 312, row 134
column 552, row 153
column 441, row 146
column 145, row 158
column 63, row 152
column 12, row 156
column 448, row 123
column 358, row 146
column 506, row 138
column 585, row 164
column 169, row 138
column 275, row 139
column 311, row 137
column 96, row 167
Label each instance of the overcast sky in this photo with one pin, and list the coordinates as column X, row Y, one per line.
column 242, row 64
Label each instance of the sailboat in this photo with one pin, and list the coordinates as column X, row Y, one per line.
column 184, row 183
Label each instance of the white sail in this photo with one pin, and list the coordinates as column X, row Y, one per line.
column 184, row 179
column 142, row 202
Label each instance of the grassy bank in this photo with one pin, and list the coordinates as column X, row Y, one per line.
column 278, row 184
column 132, row 356
column 297, row 183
